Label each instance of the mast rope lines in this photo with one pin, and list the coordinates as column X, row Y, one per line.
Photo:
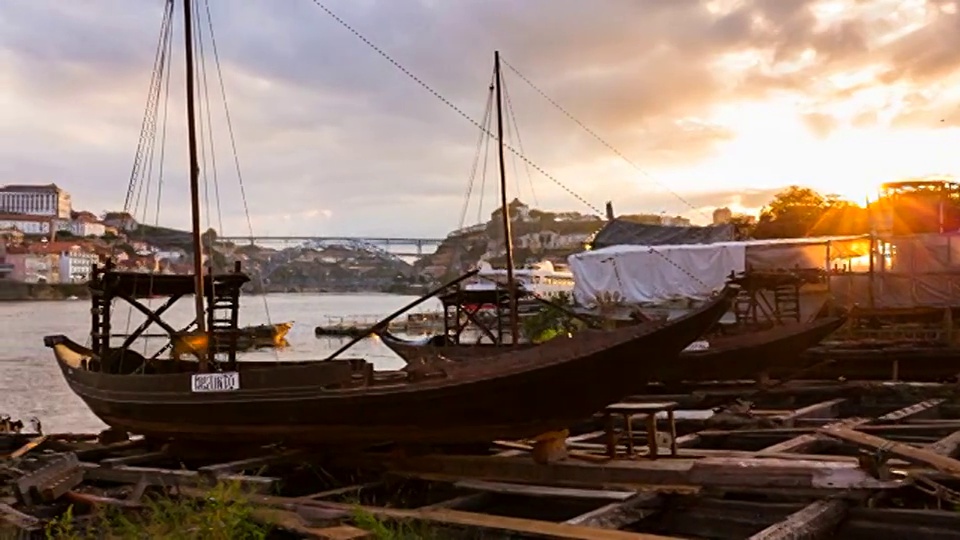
column 145, row 164
column 484, row 129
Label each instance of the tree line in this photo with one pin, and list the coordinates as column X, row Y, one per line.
column 800, row 211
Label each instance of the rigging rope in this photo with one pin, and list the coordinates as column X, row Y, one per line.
column 204, row 93
column 450, row 104
column 481, row 136
column 486, row 130
column 236, row 156
column 516, row 130
column 599, row 139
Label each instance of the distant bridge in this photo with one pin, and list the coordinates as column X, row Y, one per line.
column 387, row 244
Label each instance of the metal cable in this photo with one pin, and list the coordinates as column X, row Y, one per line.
column 600, row 139
column 448, row 103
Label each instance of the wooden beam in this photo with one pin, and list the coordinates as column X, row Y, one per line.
column 455, row 518
column 904, row 451
column 818, row 520
column 806, row 443
column 510, row 524
column 463, row 502
column 525, row 490
column 713, row 472
column 12, row 516
column 251, row 463
column 620, row 514
column 134, row 459
column 824, row 409
column 30, row 445
column 168, row 477
column 923, row 408
column 340, row 491
column 948, row 446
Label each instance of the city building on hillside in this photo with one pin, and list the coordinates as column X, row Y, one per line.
column 28, row 224
column 86, row 226
column 722, row 216
column 518, row 212
column 74, row 260
column 674, row 221
column 10, row 236
column 5, row 268
column 35, row 200
column 31, row 267
column 120, row 220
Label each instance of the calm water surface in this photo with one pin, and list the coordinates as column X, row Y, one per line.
column 31, row 383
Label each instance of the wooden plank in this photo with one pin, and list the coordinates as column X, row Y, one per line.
column 456, row 518
column 533, row 527
column 907, row 452
column 341, row 491
column 18, row 519
column 134, row 459
column 714, row 472
column 31, row 444
column 948, row 446
column 170, row 477
column 251, row 463
column 525, row 490
column 807, row 442
column 824, row 409
column 463, row 502
column 620, row 514
column 923, row 408
column 815, row 521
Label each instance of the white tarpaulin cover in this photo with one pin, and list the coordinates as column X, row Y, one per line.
column 654, row 274
column 658, row 274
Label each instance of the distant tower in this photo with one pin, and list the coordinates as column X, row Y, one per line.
column 609, row 210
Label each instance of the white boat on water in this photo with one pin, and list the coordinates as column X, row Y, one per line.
column 543, row 279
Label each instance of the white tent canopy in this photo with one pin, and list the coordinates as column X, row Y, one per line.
column 656, row 274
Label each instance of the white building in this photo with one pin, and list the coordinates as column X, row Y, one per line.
column 29, row 225
column 35, row 200
column 76, row 264
column 86, row 227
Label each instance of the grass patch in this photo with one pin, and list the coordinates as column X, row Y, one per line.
column 224, row 515
column 393, row 529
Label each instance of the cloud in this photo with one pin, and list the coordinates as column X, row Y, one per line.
column 323, row 122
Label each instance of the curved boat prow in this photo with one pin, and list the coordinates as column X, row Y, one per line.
column 68, row 352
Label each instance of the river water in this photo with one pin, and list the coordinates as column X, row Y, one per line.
column 31, row 383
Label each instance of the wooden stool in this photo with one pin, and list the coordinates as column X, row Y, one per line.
column 649, row 412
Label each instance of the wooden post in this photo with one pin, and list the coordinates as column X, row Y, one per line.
column 194, row 179
column 505, row 208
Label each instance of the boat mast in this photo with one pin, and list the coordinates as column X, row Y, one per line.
column 505, row 208
column 194, row 179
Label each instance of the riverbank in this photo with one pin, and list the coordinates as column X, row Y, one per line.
column 18, row 291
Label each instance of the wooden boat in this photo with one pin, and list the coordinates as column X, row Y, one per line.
column 248, row 337
column 267, row 335
column 516, row 394
column 217, row 399
column 727, row 357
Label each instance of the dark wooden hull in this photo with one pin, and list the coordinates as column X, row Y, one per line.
column 728, row 358
column 917, row 363
column 515, row 395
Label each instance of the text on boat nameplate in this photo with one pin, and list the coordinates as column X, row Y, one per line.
column 215, row 382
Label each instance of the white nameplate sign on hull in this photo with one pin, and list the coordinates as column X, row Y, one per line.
column 215, row 382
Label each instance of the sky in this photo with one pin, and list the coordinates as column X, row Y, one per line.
column 687, row 106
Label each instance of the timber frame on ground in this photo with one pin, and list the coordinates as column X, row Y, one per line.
column 804, row 460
